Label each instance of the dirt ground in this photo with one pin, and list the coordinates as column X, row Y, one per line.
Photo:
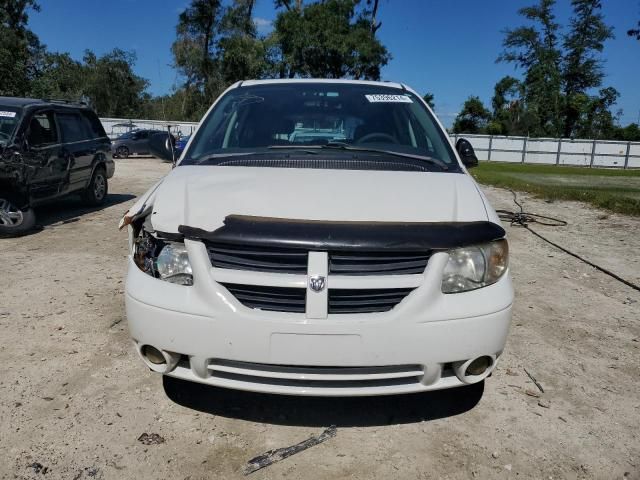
column 74, row 397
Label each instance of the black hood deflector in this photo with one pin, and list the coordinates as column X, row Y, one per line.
column 331, row 235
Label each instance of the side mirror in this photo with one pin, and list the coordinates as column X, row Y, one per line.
column 466, row 152
column 162, row 145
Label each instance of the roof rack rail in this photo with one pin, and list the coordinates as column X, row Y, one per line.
column 65, row 101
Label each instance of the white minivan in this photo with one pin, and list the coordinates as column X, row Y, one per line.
column 319, row 237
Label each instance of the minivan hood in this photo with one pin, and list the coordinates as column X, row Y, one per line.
column 202, row 196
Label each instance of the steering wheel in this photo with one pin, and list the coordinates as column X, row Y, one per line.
column 383, row 136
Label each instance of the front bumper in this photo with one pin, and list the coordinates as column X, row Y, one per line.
column 412, row 348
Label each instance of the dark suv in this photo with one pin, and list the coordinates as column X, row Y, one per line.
column 49, row 149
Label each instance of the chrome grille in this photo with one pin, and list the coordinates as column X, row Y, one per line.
column 365, row 300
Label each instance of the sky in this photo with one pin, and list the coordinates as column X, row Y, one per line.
column 446, row 47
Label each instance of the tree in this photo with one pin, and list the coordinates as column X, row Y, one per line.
column 635, row 32
column 193, row 49
column 428, row 98
column 535, row 49
column 217, row 45
column 20, row 49
column 597, row 121
column 328, row 39
column 582, row 69
column 241, row 54
column 111, row 85
column 509, row 114
column 59, row 76
column 473, row 117
column 630, row 133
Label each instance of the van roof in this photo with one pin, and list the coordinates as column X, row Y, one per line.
column 319, row 80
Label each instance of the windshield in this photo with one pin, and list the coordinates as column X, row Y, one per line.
column 9, row 118
column 357, row 120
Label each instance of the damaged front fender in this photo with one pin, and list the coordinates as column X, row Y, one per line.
column 141, row 208
column 14, row 176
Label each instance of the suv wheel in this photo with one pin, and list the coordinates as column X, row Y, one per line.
column 13, row 221
column 98, row 187
column 122, row 152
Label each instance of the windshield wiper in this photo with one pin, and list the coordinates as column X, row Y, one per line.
column 346, row 146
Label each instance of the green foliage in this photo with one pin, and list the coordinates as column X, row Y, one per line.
column 582, row 69
column 428, row 98
column 28, row 69
column 630, row 133
column 217, row 45
column 473, row 118
column 111, row 85
column 59, row 76
column 634, row 32
column 509, row 116
column 328, row 39
column 561, row 91
column 535, row 49
column 20, row 49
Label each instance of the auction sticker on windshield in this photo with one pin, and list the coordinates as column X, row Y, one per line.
column 383, row 98
column 7, row 114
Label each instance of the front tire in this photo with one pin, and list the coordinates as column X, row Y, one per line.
column 14, row 221
column 122, row 152
column 96, row 192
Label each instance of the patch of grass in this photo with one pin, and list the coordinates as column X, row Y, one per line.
column 612, row 189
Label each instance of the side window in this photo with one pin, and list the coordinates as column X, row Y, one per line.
column 72, row 127
column 143, row 135
column 93, row 125
column 42, row 130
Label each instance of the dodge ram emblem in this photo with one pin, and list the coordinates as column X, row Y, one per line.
column 317, row 283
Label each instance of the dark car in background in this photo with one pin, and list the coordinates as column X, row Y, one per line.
column 133, row 142
column 49, row 149
column 181, row 143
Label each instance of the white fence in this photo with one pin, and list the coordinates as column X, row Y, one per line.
column 117, row 126
column 555, row 151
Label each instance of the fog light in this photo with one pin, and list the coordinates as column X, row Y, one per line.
column 478, row 366
column 153, row 355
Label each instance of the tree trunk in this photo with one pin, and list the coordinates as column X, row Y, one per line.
column 374, row 12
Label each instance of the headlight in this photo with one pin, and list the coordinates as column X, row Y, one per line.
column 474, row 267
column 167, row 261
column 173, row 264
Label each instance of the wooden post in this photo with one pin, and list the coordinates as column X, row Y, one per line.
column 626, row 156
column 490, row 143
column 559, row 151
column 524, row 149
column 593, row 154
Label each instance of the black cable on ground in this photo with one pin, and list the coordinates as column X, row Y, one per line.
column 523, row 219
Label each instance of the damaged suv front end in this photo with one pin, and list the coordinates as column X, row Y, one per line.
column 367, row 264
column 14, row 172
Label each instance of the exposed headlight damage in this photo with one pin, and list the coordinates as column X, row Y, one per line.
column 165, row 260
column 476, row 266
